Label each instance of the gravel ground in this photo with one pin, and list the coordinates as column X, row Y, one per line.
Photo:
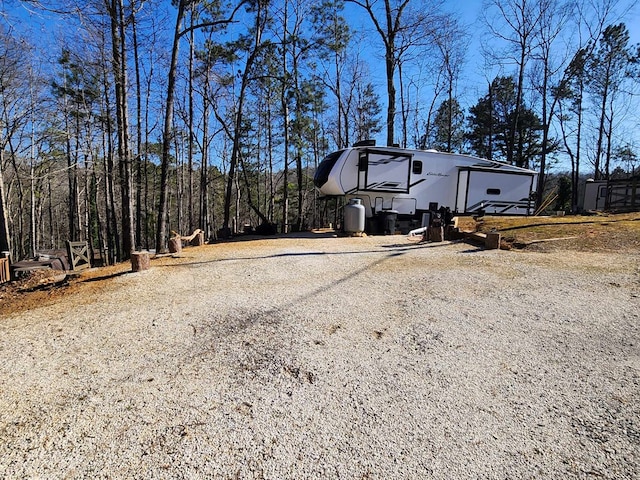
column 350, row 358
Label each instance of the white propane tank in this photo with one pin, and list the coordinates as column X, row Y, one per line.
column 354, row 216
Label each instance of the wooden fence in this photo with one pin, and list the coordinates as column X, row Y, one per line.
column 78, row 253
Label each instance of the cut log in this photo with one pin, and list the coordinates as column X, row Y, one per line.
column 140, row 261
column 198, row 238
column 436, row 233
column 492, row 241
column 195, row 239
column 175, row 245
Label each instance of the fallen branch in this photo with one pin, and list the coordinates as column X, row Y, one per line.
column 188, row 238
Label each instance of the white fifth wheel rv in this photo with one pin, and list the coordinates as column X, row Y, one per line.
column 412, row 184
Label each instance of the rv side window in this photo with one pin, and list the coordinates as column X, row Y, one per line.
column 363, row 163
column 417, row 167
column 493, row 191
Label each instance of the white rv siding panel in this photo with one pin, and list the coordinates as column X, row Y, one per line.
column 498, row 193
column 404, row 206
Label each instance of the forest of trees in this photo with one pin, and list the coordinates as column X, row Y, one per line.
column 130, row 119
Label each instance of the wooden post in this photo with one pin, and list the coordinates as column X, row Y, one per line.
column 140, row 261
column 492, row 241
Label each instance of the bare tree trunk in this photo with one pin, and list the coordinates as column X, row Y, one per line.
column 515, row 127
column 111, row 221
column 72, row 198
column 391, row 91
column 340, row 141
column 285, row 114
column 546, row 119
column 116, row 11
column 179, row 184
column 5, row 239
column 204, row 167
column 88, row 214
column 148, row 239
column 601, row 133
column 191, row 132
column 20, row 244
column 576, row 174
column 161, row 232
column 32, row 200
column 609, row 134
column 76, row 184
column 95, row 198
column 490, row 122
column 403, row 107
column 272, row 192
column 110, row 200
column 450, row 81
column 50, row 211
column 239, row 110
column 138, row 157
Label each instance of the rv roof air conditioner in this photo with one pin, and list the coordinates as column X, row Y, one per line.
column 365, row 143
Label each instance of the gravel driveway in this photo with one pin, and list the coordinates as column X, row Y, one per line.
column 321, row 357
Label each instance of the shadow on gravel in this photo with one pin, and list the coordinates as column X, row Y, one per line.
column 234, row 324
column 397, row 249
column 274, row 314
column 340, row 281
column 106, row 277
column 419, row 245
column 388, row 255
column 282, row 255
column 251, row 237
column 277, row 255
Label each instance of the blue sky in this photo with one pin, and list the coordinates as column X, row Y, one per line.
column 43, row 28
column 37, row 25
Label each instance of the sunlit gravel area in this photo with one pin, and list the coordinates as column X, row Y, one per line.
column 315, row 357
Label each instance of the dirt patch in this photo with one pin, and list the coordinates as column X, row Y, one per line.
column 599, row 233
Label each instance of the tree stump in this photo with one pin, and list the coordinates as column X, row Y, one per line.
column 175, row 244
column 140, row 261
column 436, row 234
